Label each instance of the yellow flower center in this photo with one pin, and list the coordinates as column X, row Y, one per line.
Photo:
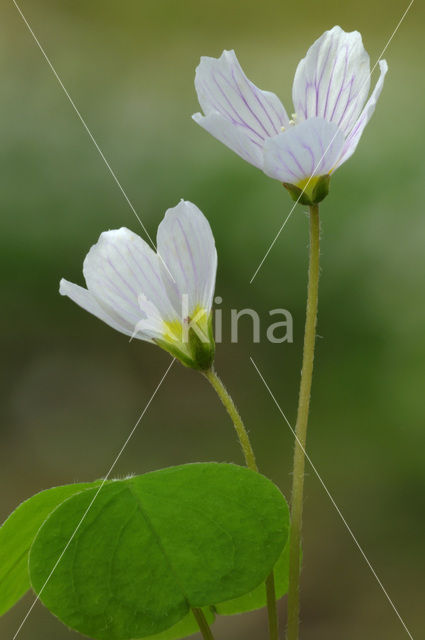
column 308, row 183
column 174, row 331
column 190, row 340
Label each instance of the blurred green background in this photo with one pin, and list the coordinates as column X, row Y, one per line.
column 72, row 388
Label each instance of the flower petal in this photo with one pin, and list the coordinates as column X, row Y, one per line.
column 308, row 149
column 186, row 245
column 333, row 80
column 355, row 134
column 87, row 301
column 234, row 138
column 224, row 89
column 121, row 267
column 152, row 324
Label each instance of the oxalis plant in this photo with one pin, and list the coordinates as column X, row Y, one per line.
column 160, row 555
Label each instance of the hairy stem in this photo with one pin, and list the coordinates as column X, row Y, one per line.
column 202, row 624
column 248, row 452
column 231, row 409
column 301, row 427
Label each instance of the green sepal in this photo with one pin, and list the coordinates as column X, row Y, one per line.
column 196, row 353
column 315, row 192
column 202, row 352
column 176, row 353
column 322, row 189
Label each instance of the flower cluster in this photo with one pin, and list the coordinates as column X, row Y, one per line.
column 165, row 297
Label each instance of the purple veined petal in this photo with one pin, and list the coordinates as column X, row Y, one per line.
column 355, row 134
column 119, row 268
column 234, row 138
column 333, row 80
column 186, row 245
column 308, row 149
column 87, row 301
column 223, row 88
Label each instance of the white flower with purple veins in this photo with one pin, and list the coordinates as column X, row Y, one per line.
column 164, row 297
column 329, row 92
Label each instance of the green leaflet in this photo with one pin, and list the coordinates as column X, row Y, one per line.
column 251, row 601
column 155, row 545
column 17, row 535
column 257, row 599
column 186, row 627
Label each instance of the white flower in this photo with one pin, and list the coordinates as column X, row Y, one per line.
column 163, row 297
column 329, row 92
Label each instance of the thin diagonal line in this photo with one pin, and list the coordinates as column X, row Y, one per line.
column 94, row 498
column 393, row 34
column 275, row 239
column 83, row 122
column 338, row 510
column 329, row 145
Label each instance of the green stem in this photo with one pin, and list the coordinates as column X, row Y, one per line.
column 301, row 427
column 272, row 608
column 248, row 452
column 202, row 624
column 231, row 409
